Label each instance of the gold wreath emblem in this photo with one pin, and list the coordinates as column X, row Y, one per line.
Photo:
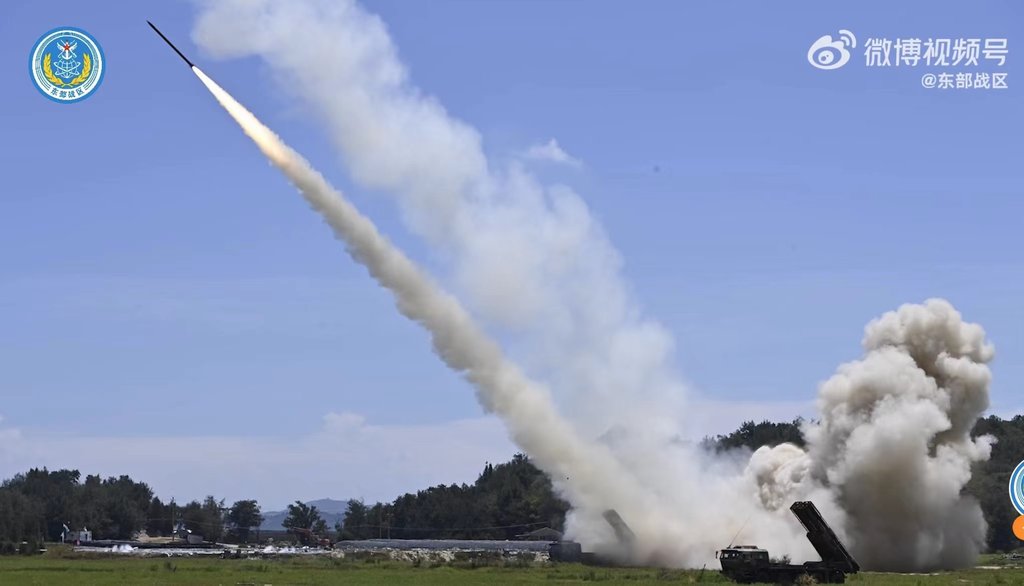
column 84, row 75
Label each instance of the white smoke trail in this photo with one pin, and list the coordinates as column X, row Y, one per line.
column 527, row 257
column 525, row 407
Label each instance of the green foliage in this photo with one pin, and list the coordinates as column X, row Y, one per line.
column 205, row 518
column 304, row 521
column 355, row 524
column 322, row 570
column 35, row 506
column 203, row 570
column 159, row 518
column 242, row 517
column 754, row 435
column 506, row 500
column 113, row 508
column 990, row 479
column 21, row 519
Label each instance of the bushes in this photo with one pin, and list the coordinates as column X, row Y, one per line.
column 23, row 548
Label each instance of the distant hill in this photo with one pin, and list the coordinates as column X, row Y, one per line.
column 331, row 510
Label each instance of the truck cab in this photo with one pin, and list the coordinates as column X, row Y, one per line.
column 743, row 561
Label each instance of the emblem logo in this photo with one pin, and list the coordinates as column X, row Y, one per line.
column 829, row 53
column 66, row 65
column 1017, row 488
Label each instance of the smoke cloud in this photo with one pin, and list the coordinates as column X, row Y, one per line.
column 893, row 443
column 885, row 464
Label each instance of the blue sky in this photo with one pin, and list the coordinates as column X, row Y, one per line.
column 161, row 289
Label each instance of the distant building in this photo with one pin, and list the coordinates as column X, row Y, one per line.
column 542, row 534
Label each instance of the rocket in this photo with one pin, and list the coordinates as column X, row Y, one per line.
column 166, row 40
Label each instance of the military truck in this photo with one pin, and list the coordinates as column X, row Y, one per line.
column 747, row 563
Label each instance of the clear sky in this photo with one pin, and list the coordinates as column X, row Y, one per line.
column 169, row 309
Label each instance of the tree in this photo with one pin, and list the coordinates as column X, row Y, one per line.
column 125, row 503
column 54, row 492
column 320, row 527
column 354, row 525
column 21, row 519
column 114, row 508
column 303, row 520
column 754, row 435
column 242, row 516
column 37, row 504
column 506, row 499
column 206, row 518
column 158, row 518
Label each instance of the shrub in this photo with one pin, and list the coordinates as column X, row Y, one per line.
column 805, row 580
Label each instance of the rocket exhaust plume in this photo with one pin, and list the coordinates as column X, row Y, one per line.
column 524, row 406
column 885, row 463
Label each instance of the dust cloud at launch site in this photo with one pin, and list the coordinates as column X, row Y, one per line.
column 602, row 408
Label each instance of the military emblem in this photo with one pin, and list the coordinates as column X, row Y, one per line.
column 66, row 65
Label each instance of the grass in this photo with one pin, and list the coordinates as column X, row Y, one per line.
column 63, row 568
column 307, row 571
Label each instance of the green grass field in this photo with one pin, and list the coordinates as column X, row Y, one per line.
column 59, row 568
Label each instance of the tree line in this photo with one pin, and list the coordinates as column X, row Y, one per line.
column 42, row 505
column 506, row 500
